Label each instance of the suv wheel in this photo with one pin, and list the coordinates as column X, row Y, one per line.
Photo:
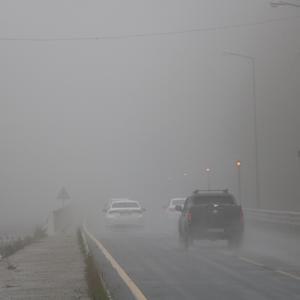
column 185, row 240
column 235, row 241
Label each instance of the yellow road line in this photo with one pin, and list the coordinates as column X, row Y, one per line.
column 137, row 293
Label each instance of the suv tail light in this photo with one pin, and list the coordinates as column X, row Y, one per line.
column 189, row 216
column 241, row 216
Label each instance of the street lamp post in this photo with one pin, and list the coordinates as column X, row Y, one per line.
column 207, row 170
column 277, row 3
column 252, row 61
column 238, row 165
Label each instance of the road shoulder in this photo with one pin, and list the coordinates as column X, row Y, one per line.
column 52, row 268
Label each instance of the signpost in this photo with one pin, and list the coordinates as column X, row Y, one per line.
column 63, row 195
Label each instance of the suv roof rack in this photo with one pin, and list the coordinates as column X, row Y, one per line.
column 223, row 191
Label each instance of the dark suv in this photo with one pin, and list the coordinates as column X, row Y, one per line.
column 211, row 215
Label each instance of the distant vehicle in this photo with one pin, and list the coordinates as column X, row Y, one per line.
column 173, row 203
column 112, row 200
column 124, row 212
column 211, row 215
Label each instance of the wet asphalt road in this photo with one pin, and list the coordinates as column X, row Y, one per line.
column 162, row 269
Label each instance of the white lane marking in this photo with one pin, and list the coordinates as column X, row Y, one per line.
column 253, row 262
column 288, row 274
column 137, row 293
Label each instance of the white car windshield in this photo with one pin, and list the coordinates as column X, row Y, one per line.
column 125, row 205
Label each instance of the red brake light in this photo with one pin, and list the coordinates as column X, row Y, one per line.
column 189, row 216
column 241, row 216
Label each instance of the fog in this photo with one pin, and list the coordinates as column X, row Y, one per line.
column 136, row 98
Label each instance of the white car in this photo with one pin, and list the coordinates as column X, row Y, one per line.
column 173, row 203
column 124, row 212
column 111, row 201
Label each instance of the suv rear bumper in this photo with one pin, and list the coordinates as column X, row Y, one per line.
column 215, row 233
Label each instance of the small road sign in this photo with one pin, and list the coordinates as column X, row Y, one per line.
column 63, row 195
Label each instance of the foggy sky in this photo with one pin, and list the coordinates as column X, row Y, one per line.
column 128, row 117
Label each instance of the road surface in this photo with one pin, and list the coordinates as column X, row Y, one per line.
column 162, row 269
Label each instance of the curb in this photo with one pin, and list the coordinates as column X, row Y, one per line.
column 123, row 277
column 88, row 252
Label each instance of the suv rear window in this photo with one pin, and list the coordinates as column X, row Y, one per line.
column 177, row 202
column 213, row 199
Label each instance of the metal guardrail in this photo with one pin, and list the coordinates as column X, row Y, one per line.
column 288, row 218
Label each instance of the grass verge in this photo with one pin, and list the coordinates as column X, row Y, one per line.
column 12, row 247
column 96, row 289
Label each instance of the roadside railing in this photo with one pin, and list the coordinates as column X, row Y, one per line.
column 273, row 218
